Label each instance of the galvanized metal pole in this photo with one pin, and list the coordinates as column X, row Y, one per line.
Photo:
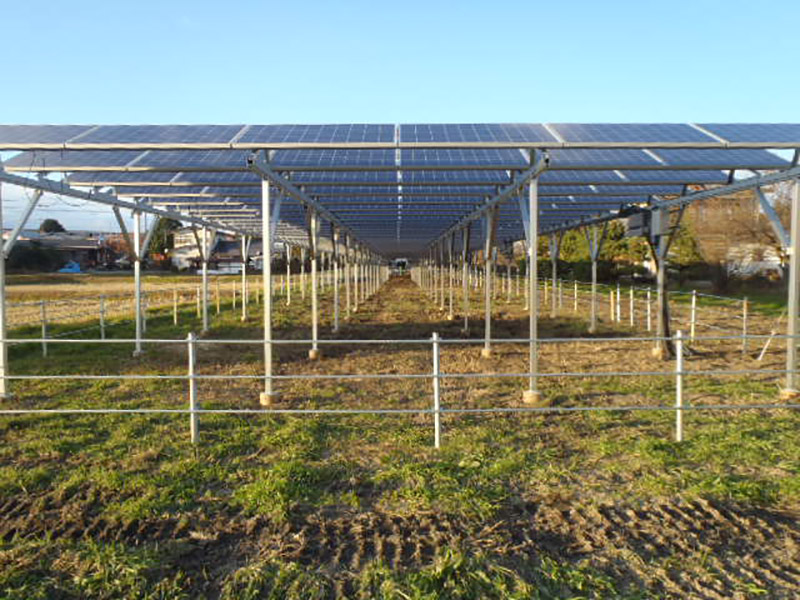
column 488, row 261
column 175, row 307
column 554, row 251
column 465, row 235
column 43, row 309
column 102, row 317
column 679, row 387
column 192, row 359
column 744, row 326
column 649, row 310
column 302, row 273
column 335, row 279
column 288, row 274
column 205, row 257
column 631, row 308
column 793, row 306
column 245, row 252
column 313, row 232
column 4, row 383
column 437, row 423
column 137, row 279
column 347, row 274
column 266, row 237
column 451, row 274
column 532, row 395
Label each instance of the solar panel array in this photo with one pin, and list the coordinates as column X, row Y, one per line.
column 399, row 187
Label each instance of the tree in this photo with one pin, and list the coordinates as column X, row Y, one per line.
column 51, row 226
column 163, row 236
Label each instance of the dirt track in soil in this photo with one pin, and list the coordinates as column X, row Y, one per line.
column 698, row 549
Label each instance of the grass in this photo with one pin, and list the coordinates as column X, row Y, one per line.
column 141, row 469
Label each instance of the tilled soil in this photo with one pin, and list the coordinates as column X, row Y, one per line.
column 676, row 549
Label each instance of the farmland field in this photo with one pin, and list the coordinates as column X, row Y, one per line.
column 574, row 505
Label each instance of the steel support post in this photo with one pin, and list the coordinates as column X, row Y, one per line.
column 555, row 248
column 335, row 237
column 137, row 278
column 348, row 271
column 450, row 274
column 205, row 257
column 302, row 273
column 313, row 241
column 595, row 246
column 488, row 260
column 266, row 233
column 465, row 273
column 288, row 274
column 4, row 384
column 245, row 294
column 532, row 394
column 791, row 390
column 661, row 239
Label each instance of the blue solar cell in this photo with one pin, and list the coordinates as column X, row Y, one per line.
column 111, row 178
column 322, row 159
column 583, row 158
column 344, row 177
column 69, row 160
column 219, row 178
column 760, row 133
column 583, row 176
column 160, row 134
column 14, row 136
column 472, row 133
column 455, row 157
column 185, row 190
column 680, row 177
column 445, row 176
column 661, row 190
column 317, row 134
column 630, row 132
column 199, row 160
column 722, row 159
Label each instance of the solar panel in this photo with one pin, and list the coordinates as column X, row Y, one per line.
column 521, row 133
column 590, row 158
column 160, row 134
column 344, row 177
column 761, row 133
column 316, row 134
column 69, row 160
column 583, row 176
column 152, row 190
column 16, row 136
column 676, row 176
column 105, row 178
column 454, row 157
column 655, row 133
column 332, row 158
column 722, row 159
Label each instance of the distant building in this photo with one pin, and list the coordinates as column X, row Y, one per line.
column 87, row 248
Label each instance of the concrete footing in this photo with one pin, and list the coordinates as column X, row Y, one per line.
column 534, row 398
column 486, row 352
column 789, row 395
column 313, row 354
column 266, row 399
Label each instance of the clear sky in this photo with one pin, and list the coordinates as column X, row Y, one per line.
column 175, row 61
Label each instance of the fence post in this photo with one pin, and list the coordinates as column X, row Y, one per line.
column 102, row 317
column 233, row 287
column 575, row 296
column 197, row 297
column 437, row 424
column 694, row 315
column 744, row 326
column 632, row 309
column 619, row 304
column 175, row 306
column 43, row 305
column 649, row 312
column 216, row 294
column 678, row 386
column 611, row 304
column 191, row 352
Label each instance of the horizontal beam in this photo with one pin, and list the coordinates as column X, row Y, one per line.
column 60, row 188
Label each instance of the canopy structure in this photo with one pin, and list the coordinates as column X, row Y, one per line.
column 401, row 189
column 411, row 190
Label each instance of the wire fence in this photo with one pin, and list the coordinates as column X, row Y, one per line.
column 680, row 373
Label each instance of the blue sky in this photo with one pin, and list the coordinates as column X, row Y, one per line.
column 410, row 61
